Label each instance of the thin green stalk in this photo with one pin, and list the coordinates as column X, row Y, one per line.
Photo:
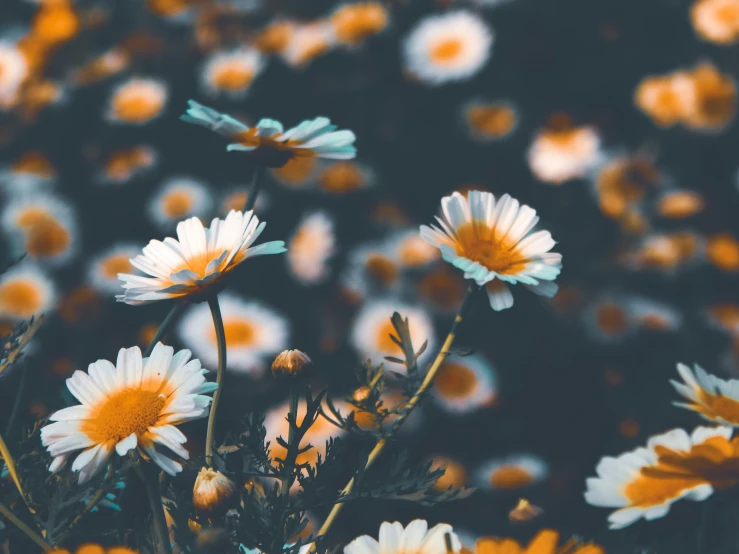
column 149, row 474
column 30, row 533
column 290, row 456
column 412, row 403
column 215, row 311
column 172, row 316
column 254, row 187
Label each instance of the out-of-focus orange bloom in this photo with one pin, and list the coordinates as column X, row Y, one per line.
column 353, row 23
column 274, row 38
column 680, row 204
column 667, row 99
column 623, row 182
column 490, row 120
column 723, row 252
column 122, row 164
column 715, row 98
column 34, row 163
column 725, row 316
column 55, row 22
column 716, row 20
column 111, row 62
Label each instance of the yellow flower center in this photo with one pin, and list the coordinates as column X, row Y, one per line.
column 381, row 269
column 510, row 477
column 233, row 76
column 479, row 243
column 446, row 50
column 132, row 104
column 113, row 265
column 494, row 121
column 239, row 332
column 455, row 380
column 177, row 204
column 611, row 319
column 19, row 298
column 123, row 413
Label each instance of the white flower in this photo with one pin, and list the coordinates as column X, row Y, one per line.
column 137, row 101
column 448, row 47
column 417, row 538
column 253, row 333
column 315, row 138
column 713, row 398
column 465, row 384
column 512, row 472
column 135, row 404
column 25, row 291
column 645, row 482
column 233, row 72
column 311, row 247
column 177, row 199
column 557, row 156
column 198, row 260
column 491, row 241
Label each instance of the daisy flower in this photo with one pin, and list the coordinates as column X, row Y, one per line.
column 716, row 20
column 666, row 99
column 723, row 252
column 545, row 541
column 310, row 248
column 198, row 260
column 343, row 177
column 679, row 204
column 42, row 225
column 24, row 292
column 233, row 72
column 372, row 268
column 275, row 423
column 135, row 404
column 645, row 482
column 254, row 333
column 137, row 101
column 609, row 319
column 13, row 72
column 372, row 329
column 177, row 199
column 446, row 48
column 715, row 99
column 713, row 398
column 353, row 23
column 275, row 37
column 491, row 241
column 465, row 385
column 104, row 268
column 558, row 155
column 307, row 42
column 416, row 538
column 122, row 165
column 315, row 138
column 512, row 472
column 654, row 316
column 489, row 121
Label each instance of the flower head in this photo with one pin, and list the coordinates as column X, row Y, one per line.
column 198, row 260
column 714, row 399
column 25, row 291
column 449, row 47
column 104, row 268
column 290, row 362
column 645, row 482
column 270, row 143
column 311, row 247
column 137, row 101
column 491, row 241
column 212, row 490
column 465, row 384
column 232, row 73
column 512, row 472
column 13, row 72
column 416, row 538
column 716, row 20
column 559, row 154
column 135, row 403
column 545, row 542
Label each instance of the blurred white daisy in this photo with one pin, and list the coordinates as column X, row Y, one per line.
column 715, row 399
column 122, row 165
column 558, row 155
column 645, row 482
column 104, row 268
column 135, row 404
column 13, row 72
column 491, row 241
column 43, row 226
column 254, row 333
column 198, row 260
column 412, row 251
column 310, row 248
column 372, row 268
column 177, row 199
column 465, row 384
column 488, row 121
column 30, row 173
column 315, row 138
column 417, row 538
column 25, row 291
column 307, row 42
column 448, row 47
column 137, row 101
column 512, row 472
column 372, row 329
column 233, row 72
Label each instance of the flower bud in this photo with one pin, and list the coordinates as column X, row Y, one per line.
column 290, row 362
column 212, row 490
column 361, row 394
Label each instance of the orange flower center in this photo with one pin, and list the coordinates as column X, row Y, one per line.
column 274, row 38
column 355, row 23
column 510, row 477
column 123, row 413
column 384, row 343
column 113, row 265
column 381, row 269
column 19, row 298
column 479, row 243
column 239, row 332
column 728, row 13
column 233, row 76
column 611, row 319
column 134, row 104
column 723, row 251
column 680, row 204
column 341, row 177
column 495, row 121
column 47, row 239
column 455, row 381
column 446, row 51
column 34, row 163
column 714, row 406
column 177, row 204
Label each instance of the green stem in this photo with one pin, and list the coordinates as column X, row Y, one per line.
column 253, row 192
column 215, row 311
column 289, row 464
column 150, row 476
column 30, row 533
column 172, row 316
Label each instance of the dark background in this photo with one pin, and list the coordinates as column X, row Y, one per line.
column 581, row 57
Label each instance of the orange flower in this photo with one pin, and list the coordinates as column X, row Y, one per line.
column 545, row 542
